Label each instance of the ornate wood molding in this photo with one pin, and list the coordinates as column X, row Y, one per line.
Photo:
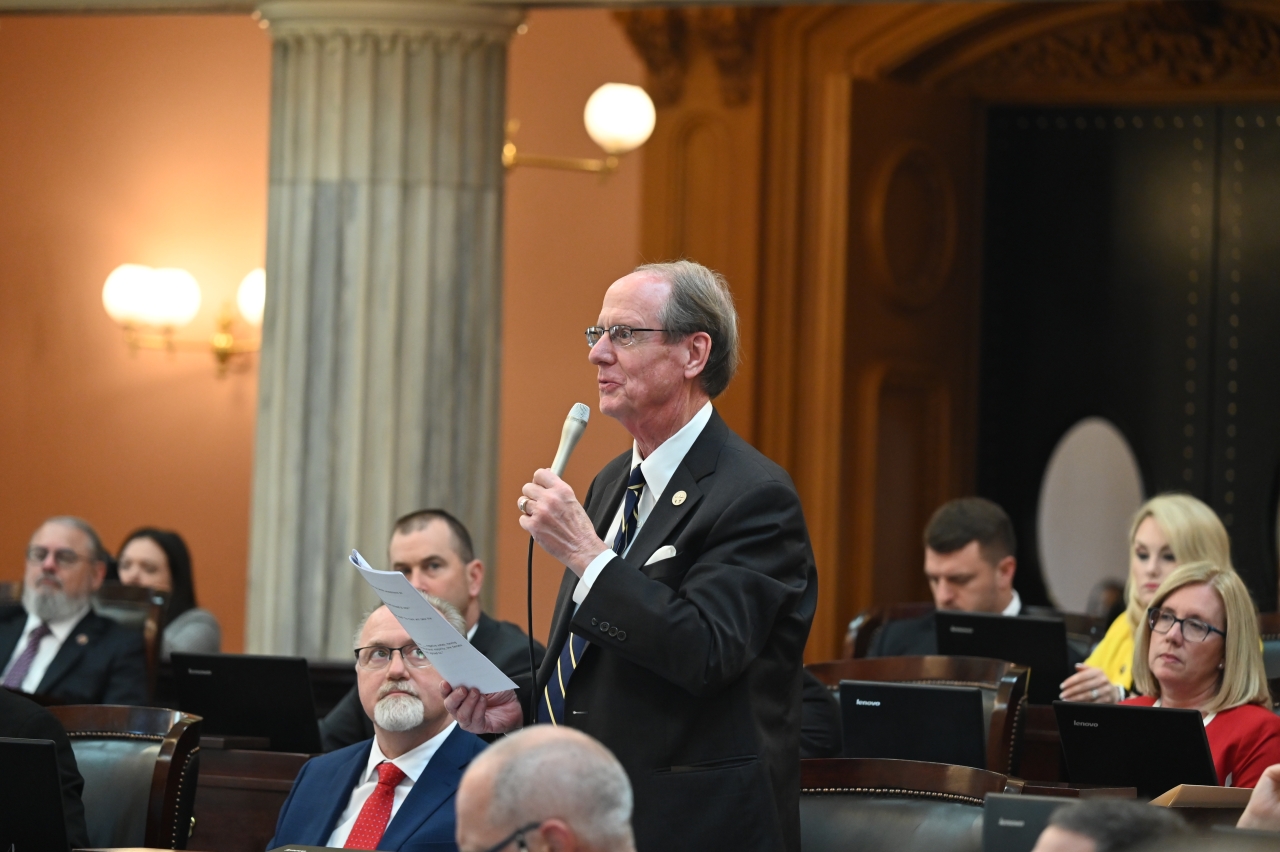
column 729, row 34
column 1148, row 45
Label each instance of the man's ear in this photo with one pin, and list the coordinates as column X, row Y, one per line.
column 558, row 836
column 475, row 577
column 1005, row 569
column 698, row 350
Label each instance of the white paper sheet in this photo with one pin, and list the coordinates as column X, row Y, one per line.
column 450, row 653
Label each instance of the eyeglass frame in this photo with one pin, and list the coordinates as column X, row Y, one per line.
column 79, row 557
column 1154, row 611
column 516, row 836
column 601, row 332
column 414, row 645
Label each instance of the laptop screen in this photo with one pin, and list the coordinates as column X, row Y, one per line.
column 912, row 721
column 250, row 696
column 31, row 818
column 1038, row 643
column 1152, row 748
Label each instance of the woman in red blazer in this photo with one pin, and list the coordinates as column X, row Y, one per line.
column 1200, row 650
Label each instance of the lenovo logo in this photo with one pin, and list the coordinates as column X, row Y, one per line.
column 860, row 703
column 1003, row 822
column 1080, row 724
column 957, row 629
column 199, row 671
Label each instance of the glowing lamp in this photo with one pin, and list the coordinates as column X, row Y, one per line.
column 251, row 297
column 619, row 117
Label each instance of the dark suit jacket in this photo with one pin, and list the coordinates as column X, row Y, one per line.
column 20, row 717
column 693, row 674
column 501, row 641
column 424, row 823
column 906, row 637
column 100, row 663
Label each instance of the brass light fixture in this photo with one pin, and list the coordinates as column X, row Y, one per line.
column 618, row 117
column 151, row 304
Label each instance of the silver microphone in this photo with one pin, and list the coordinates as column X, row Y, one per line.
column 574, row 425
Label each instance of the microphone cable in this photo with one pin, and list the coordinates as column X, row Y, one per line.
column 533, row 672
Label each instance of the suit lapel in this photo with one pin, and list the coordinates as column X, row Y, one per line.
column 665, row 515
column 69, row 653
column 332, row 798
column 434, row 788
column 10, row 633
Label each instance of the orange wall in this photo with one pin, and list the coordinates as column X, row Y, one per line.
column 568, row 236
column 144, row 139
column 128, row 139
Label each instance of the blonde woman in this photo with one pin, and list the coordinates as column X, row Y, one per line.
column 1199, row 650
column 1167, row 531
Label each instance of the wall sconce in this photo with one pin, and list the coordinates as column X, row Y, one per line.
column 619, row 118
column 149, row 304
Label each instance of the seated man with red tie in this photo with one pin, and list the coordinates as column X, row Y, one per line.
column 394, row 792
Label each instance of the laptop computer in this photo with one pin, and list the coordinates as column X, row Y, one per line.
column 31, row 817
column 1038, row 643
column 1151, row 748
column 1012, row 823
column 913, row 721
column 250, row 696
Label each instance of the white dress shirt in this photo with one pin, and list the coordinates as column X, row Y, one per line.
column 49, row 645
column 412, row 763
column 658, row 469
column 1015, row 605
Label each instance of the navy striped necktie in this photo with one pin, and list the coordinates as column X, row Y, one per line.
column 551, row 708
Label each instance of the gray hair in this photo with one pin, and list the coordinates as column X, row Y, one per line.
column 442, row 606
column 100, row 553
column 700, row 300
column 591, row 791
column 1115, row 825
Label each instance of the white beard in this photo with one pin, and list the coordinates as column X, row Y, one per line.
column 398, row 713
column 50, row 604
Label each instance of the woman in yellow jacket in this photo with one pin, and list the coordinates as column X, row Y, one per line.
column 1167, row 531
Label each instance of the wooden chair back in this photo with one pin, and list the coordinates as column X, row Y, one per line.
column 138, row 608
column 140, row 766
column 1004, row 686
column 894, row 805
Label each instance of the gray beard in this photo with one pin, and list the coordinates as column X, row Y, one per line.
column 398, row 713
column 51, row 604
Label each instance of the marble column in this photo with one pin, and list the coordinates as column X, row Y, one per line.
column 379, row 368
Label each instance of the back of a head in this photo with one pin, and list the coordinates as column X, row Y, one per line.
column 1116, row 825
column 958, row 522
column 547, row 772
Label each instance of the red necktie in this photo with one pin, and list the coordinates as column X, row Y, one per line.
column 376, row 813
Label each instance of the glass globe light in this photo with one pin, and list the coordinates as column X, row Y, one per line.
column 172, row 299
column 124, row 292
column 619, row 117
column 251, row 297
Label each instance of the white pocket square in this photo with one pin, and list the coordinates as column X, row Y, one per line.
column 665, row 552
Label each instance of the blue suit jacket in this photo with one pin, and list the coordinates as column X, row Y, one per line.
column 424, row 823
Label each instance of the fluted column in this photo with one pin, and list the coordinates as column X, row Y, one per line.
column 379, row 367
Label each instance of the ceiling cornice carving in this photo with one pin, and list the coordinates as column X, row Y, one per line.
column 1149, row 44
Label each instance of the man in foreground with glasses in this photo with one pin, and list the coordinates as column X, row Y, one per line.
column 678, row 633
column 55, row 645
column 507, row 803
column 394, row 792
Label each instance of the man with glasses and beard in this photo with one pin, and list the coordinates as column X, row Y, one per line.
column 394, row 792
column 55, row 645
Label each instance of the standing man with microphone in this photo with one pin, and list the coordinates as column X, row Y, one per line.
column 679, row 629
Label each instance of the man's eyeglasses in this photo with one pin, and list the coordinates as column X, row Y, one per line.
column 376, row 657
column 516, row 837
column 63, row 557
column 619, row 335
column 1193, row 629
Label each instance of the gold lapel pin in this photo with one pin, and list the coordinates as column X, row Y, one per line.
column 678, row 498
column 81, row 639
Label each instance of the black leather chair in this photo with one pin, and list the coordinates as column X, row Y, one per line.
column 140, row 766
column 894, row 805
column 136, row 608
column 1269, row 629
column 1003, row 685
